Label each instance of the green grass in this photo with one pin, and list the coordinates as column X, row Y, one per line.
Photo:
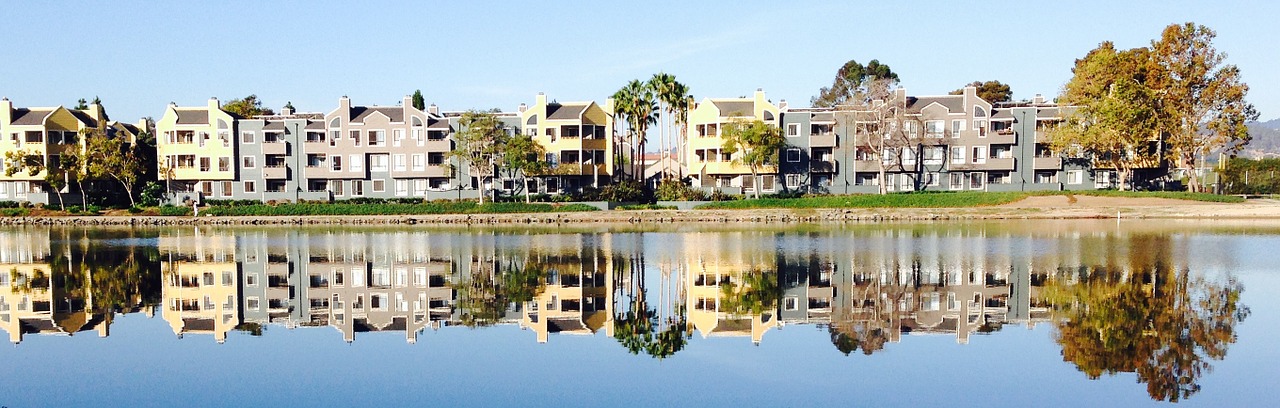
column 391, row 209
column 14, row 212
column 945, row 199
column 646, row 207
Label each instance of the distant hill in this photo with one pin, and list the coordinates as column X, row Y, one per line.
column 1266, row 140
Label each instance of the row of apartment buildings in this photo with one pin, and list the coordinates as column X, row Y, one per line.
column 205, row 152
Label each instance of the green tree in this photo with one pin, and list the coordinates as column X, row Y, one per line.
column 523, row 155
column 1115, row 118
column 109, row 157
column 852, row 82
column 758, row 293
column 81, row 104
column 1202, row 103
column 754, row 144
column 419, row 102
column 247, row 107
column 636, row 104
column 991, row 91
column 673, row 98
column 479, row 145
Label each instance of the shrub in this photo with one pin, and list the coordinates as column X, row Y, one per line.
column 677, row 190
column 646, row 207
column 151, row 194
column 134, row 210
column 14, row 212
column 722, row 196
column 173, row 210
column 624, row 191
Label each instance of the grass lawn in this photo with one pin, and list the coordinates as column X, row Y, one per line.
column 391, row 209
column 944, row 199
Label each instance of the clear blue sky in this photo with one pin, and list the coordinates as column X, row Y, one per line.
column 139, row 56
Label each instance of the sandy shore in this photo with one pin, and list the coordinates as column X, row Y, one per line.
column 1041, row 207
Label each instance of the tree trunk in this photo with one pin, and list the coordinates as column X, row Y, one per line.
column 84, row 200
column 480, row 187
column 528, row 197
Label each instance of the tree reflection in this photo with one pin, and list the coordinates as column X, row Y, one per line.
column 485, row 295
column 1151, row 318
column 637, row 326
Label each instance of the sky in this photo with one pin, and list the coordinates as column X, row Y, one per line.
column 139, row 56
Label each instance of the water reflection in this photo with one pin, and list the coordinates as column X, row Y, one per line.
column 1120, row 303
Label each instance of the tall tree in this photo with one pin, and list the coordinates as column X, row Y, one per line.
column 851, row 82
column 479, row 145
column 107, row 156
column 754, row 144
column 636, row 103
column 663, row 86
column 1114, row 121
column 82, row 104
column 247, row 107
column 419, row 102
column 523, row 155
column 1202, row 103
column 991, row 91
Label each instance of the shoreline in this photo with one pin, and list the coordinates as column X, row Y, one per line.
column 1127, row 208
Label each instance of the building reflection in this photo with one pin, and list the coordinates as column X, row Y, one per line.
column 650, row 292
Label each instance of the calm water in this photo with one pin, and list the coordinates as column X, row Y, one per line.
column 1012, row 313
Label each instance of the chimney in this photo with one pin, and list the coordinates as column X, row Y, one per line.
column 540, row 100
column 970, row 92
column 6, row 111
column 522, row 107
column 1039, row 99
column 213, row 104
column 287, row 110
column 407, row 101
column 433, row 109
column 782, row 104
column 344, row 104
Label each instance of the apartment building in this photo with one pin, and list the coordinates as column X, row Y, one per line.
column 577, row 138
column 708, row 164
column 197, row 150
column 44, row 134
column 201, row 287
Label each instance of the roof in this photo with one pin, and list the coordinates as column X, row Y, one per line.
column 437, row 123
column 395, row 113
column 37, row 325
column 1048, row 112
column 559, row 325
column 1002, row 114
column 953, row 103
column 22, row 116
column 193, row 116
column 823, row 117
column 84, row 117
column 568, row 111
column 274, row 125
column 192, row 324
column 315, row 125
column 729, row 107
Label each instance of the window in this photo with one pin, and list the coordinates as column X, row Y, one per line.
column 399, row 162
column 1075, row 177
column 932, row 179
column 419, row 162
column 354, row 135
column 396, row 136
column 379, row 186
column 226, row 189
column 336, row 187
column 357, row 188
column 435, row 159
column 956, row 127
column 793, row 155
column 402, row 188
column 378, row 162
column 957, row 181
column 957, row 154
column 224, row 164
column 420, row 187
column 981, row 125
column 979, row 154
column 356, row 163
column 935, row 155
column 793, row 129
column 248, row 162
column 248, row 137
column 933, row 128
column 205, row 163
column 249, row 187
column 977, row 181
column 336, row 161
column 1044, row 177
column 793, row 180
column 377, row 138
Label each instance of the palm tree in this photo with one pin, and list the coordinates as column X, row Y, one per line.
column 621, row 113
column 635, row 102
column 663, row 86
column 680, row 104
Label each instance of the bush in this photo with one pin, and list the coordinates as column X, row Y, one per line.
column 231, row 203
column 14, row 212
column 624, row 191
column 722, row 196
column 173, row 210
column 677, row 190
column 646, row 207
column 454, row 207
column 151, row 194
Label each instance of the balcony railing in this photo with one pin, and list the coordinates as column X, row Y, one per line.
column 828, row 139
column 824, row 166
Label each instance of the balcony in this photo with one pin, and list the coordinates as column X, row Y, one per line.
column 828, row 139
column 1042, row 136
column 824, row 166
column 1047, row 163
column 277, row 147
column 275, row 172
column 1005, row 136
column 996, row 164
column 866, row 165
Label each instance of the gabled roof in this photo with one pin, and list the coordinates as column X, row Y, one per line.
column 84, row 117
column 199, row 116
column 953, row 103
column 1003, row 113
column 1048, row 113
column 556, row 325
column 197, row 324
column 437, row 123
column 394, row 113
column 274, row 125
column 823, row 117
column 568, row 111
column 738, row 106
column 315, row 124
column 36, row 116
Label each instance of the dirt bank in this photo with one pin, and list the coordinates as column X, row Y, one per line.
column 1047, row 207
